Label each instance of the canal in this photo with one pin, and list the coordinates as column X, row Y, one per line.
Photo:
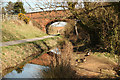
column 30, row 70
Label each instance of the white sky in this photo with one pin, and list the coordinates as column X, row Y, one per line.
column 32, row 4
column 59, row 24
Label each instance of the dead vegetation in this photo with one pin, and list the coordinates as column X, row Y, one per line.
column 66, row 66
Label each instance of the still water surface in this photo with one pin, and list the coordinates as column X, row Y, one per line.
column 28, row 71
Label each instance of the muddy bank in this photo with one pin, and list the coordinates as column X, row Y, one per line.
column 44, row 60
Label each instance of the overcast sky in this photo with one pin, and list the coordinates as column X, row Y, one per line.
column 33, row 5
column 41, row 3
column 59, row 24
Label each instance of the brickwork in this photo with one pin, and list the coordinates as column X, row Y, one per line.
column 45, row 18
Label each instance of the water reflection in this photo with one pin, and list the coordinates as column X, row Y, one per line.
column 56, row 51
column 28, row 71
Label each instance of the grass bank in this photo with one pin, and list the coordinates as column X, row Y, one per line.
column 13, row 56
column 16, row 30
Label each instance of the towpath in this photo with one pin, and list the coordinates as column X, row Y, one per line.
column 25, row 40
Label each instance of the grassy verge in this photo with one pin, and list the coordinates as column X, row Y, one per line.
column 16, row 30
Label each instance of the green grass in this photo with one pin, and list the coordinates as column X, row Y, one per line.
column 16, row 30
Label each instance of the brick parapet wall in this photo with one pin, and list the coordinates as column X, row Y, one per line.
column 43, row 18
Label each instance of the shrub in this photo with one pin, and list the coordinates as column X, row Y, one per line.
column 61, row 66
column 26, row 20
column 23, row 17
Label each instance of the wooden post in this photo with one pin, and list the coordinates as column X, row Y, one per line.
column 76, row 28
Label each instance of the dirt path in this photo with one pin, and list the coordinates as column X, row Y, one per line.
column 25, row 40
column 95, row 66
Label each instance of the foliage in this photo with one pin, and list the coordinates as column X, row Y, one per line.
column 15, row 8
column 26, row 20
column 23, row 17
column 70, row 34
column 18, row 8
column 100, row 20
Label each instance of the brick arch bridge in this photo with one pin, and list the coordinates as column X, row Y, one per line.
column 46, row 18
column 57, row 28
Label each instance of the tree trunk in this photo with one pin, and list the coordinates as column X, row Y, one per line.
column 76, row 30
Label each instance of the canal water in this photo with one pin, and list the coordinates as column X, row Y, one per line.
column 30, row 70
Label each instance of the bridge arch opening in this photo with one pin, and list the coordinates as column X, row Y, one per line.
column 56, row 27
column 70, row 31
